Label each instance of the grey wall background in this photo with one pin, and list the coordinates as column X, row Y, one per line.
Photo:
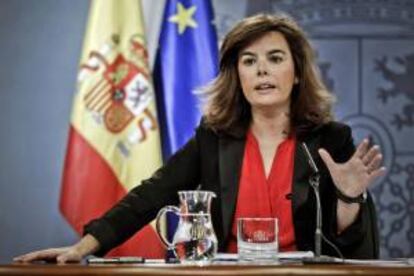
column 39, row 53
column 40, row 47
column 366, row 55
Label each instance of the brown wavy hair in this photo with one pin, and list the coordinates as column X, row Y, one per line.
column 225, row 107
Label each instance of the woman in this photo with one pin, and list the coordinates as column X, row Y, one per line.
column 265, row 102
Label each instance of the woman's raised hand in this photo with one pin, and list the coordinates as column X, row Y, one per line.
column 353, row 177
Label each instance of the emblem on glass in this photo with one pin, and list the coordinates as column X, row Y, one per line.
column 194, row 241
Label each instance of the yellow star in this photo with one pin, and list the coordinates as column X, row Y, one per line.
column 183, row 18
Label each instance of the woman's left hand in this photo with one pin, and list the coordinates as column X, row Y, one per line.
column 353, row 177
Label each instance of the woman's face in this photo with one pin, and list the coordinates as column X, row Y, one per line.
column 267, row 72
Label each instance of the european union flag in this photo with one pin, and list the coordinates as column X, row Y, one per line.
column 187, row 59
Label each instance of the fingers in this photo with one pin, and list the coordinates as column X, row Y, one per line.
column 372, row 153
column 327, row 159
column 374, row 163
column 362, row 149
column 60, row 255
column 376, row 173
column 48, row 254
column 61, row 259
column 34, row 256
column 372, row 158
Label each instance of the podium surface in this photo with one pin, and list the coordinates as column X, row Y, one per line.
column 222, row 269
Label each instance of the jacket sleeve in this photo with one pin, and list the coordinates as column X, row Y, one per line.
column 142, row 203
column 360, row 239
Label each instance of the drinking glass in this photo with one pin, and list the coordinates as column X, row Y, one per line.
column 257, row 239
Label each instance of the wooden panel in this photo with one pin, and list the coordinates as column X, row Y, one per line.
column 78, row 269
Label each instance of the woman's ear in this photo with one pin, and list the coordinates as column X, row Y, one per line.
column 296, row 80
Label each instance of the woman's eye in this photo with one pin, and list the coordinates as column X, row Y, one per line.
column 276, row 59
column 248, row 61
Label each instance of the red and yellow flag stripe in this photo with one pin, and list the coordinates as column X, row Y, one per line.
column 114, row 136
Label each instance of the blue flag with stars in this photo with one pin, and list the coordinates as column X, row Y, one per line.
column 187, row 59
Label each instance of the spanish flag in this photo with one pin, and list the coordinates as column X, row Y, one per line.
column 114, row 139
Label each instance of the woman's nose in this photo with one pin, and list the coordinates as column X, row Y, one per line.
column 262, row 69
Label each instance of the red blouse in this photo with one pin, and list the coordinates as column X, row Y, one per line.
column 271, row 197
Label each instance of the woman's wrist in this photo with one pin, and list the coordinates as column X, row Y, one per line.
column 355, row 197
column 87, row 245
column 350, row 191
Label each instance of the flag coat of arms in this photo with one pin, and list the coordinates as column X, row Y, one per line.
column 114, row 138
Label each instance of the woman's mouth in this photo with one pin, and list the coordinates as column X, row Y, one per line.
column 264, row 87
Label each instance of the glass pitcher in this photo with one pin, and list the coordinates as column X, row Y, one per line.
column 194, row 240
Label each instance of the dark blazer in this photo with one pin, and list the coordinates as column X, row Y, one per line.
column 211, row 161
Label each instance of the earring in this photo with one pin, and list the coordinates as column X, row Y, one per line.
column 296, row 80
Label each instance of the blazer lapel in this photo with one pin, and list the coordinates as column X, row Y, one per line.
column 230, row 161
column 301, row 188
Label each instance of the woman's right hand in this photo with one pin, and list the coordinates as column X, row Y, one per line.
column 87, row 245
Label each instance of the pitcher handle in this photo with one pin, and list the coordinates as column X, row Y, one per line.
column 161, row 213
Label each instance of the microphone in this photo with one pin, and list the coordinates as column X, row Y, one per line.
column 314, row 182
column 311, row 162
